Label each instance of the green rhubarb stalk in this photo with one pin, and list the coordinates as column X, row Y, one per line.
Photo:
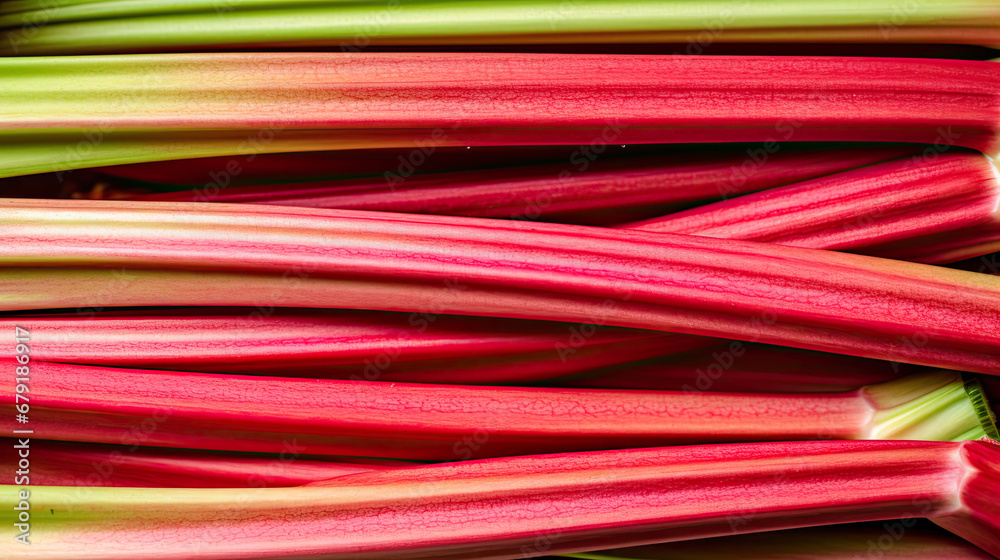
column 69, row 27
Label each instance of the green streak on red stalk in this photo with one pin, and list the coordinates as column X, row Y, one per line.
column 60, row 113
column 501, row 508
column 240, row 254
column 452, row 422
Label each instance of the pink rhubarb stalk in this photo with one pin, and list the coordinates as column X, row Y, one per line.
column 582, row 190
column 935, row 211
column 234, row 254
column 452, row 422
column 744, row 368
column 529, row 506
column 177, row 106
column 87, row 464
column 419, row 347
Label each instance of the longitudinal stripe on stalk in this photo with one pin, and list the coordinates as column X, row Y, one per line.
column 585, row 189
column 933, row 210
column 503, row 508
column 94, row 465
column 453, row 422
column 60, row 113
column 124, row 26
column 817, row 300
column 419, row 346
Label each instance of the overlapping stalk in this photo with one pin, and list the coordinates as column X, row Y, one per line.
column 452, row 422
column 129, row 465
column 524, row 506
column 935, row 211
column 60, row 113
column 39, row 27
column 790, row 296
column 599, row 192
column 420, row 347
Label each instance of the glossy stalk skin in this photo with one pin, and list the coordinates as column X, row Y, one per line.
column 129, row 26
column 95, row 465
column 452, row 422
column 60, row 113
column 902, row 539
column 602, row 192
column 416, row 347
column 222, row 254
column 529, row 506
column 743, row 368
column 934, row 211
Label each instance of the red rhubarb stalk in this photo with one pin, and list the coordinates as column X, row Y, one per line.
column 451, row 422
column 935, row 211
column 581, row 190
column 92, row 465
column 805, row 298
column 529, row 506
column 419, row 347
column 178, row 106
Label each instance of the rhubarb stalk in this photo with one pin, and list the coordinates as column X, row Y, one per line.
column 529, row 506
column 934, row 211
column 93, row 465
column 223, row 254
column 452, row 422
column 60, row 113
column 419, row 347
column 601, row 192
column 126, row 26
